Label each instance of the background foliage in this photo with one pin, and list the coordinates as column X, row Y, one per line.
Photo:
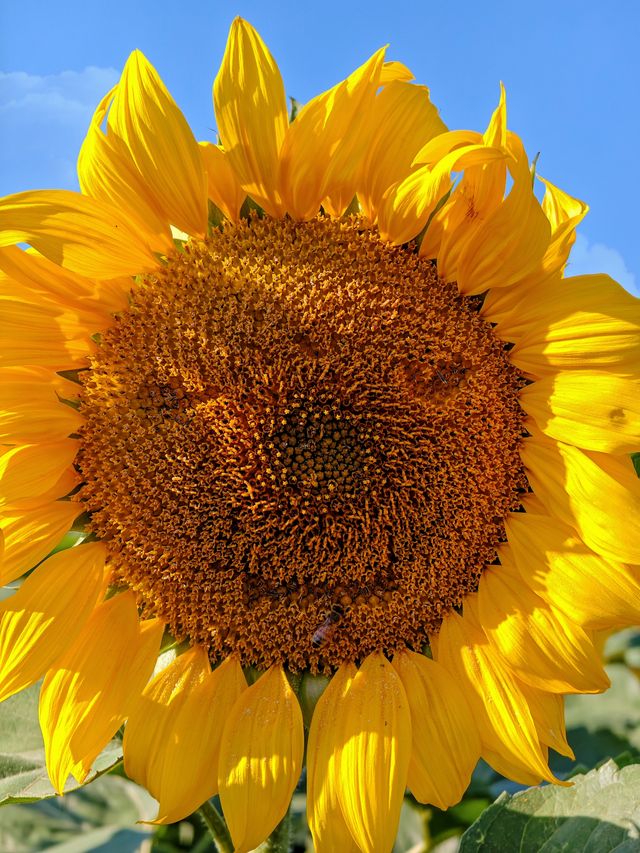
column 598, row 814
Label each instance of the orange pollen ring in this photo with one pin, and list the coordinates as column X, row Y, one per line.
column 300, row 444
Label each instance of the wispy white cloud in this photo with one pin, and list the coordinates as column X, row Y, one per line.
column 587, row 257
column 44, row 119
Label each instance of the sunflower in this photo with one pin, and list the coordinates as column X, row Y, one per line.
column 331, row 423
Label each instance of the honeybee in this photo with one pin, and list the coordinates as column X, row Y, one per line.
column 325, row 632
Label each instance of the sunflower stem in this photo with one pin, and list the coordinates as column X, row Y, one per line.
column 279, row 840
column 214, row 822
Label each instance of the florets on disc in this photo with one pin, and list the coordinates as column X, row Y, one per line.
column 300, row 443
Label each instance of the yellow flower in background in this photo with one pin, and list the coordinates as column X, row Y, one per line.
column 360, row 427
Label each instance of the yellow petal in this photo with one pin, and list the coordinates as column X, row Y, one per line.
column 29, row 473
column 592, row 410
column 395, row 71
column 197, row 736
column 479, row 193
column 401, row 120
column 175, row 728
column 82, row 234
column 323, row 149
column 106, row 171
column 593, row 493
column 46, row 615
column 89, row 692
column 572, row 324
column 327, row 825
column 260, row 759
column 561, row 569
column 531, row 503
column 222, row 184
column 43, row 335
column 30, row 406
column 441, row 145
column 406, row 206
column 251, row 111
column 160, row 142
column 564, row 214
column 511, row 241
column 446, row 745
column 547, row 710
column 29, row 277
column 373, row 760
column 503, row 717
column 542, row 646
column 559, row 207
column 153, row 715
column 29, row 535
column 511, row 770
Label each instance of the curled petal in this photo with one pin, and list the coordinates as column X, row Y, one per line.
column 564, row 213
column 407, row 206
column 511, row 241
column 547, row 710
column 401, row 119
column 478, row 194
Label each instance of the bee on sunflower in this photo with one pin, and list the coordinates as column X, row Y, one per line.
column 328, row 416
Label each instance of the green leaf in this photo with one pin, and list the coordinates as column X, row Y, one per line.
column 101, row 817
column 599, row 813
column 23, row 775
column 635, row 458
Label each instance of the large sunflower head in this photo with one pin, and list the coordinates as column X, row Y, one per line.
column 327, row 417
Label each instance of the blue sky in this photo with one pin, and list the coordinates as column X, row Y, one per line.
column 571, row 68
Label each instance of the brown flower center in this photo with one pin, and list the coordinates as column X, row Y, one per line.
column 300, row 444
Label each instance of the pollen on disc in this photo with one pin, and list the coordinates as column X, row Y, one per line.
column 300, row 444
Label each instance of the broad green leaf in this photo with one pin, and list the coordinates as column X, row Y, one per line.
column 101, row 817
column 600, row 813
column 23, row 775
